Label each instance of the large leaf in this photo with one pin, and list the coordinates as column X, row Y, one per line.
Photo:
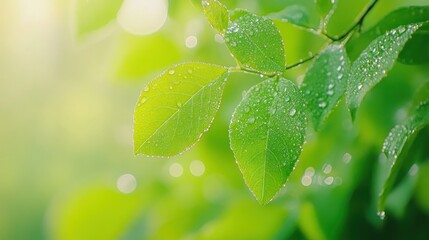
column 177, row 107
column 374, row 62
column 399, row 17
column 256, row 43
column 325, row 82
column 396, row 149
column 94, row 14
column 217, row 14
column 266, row 134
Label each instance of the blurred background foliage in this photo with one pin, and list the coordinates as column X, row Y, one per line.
column 71, row 72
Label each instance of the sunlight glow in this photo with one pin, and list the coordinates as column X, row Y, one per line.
column 126, row 183
column 143, row 17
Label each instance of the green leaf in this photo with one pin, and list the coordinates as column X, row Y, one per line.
column 217, row 14
column 374, row 62
column 256, row 43
column 416, row 51
column 396, row 148
column 177, row 107
column 325, row 82
column 266, row 134
column 399, row 17
column 94, row 14
column 295, row 14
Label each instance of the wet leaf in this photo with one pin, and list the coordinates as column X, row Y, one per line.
column 374, row 62
column 298, row 14
column 396, row 149
column 267, row 132
column 177, row 107
column 256, row 43
column 402, row 16
column 325, row 82
column 217, row 14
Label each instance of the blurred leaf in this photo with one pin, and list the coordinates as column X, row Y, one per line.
column 83, row 214
column 267, row 132
column 279, row 223
column 422, row 95
column 309, row 223
column 94, row 14
column 396, row 148
column 325, row 82
column 300, row 43
column 399, row 17
column 416, row 51
column 246, row 38
column 139, row 56
column 177, row 107
column 295, row 14
column 217, row 14
column 374, row 62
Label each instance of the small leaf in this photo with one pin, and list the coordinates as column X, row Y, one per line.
column 177, row 107
column 325, row 82
column 296, row 14
column 396, row 148
column 94, row 14
column 267, row 132
column 256, row 43
column 402, row 16
column 217, row 14
column 374, row 62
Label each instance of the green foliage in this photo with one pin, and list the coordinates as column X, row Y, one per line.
column 266, row 133
column 246, row 37
column 167, row 126
column 268, row 128
column 217, row 15
column 325, row 82
column 374, row 63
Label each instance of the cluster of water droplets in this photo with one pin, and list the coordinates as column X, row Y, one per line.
column 395, row 141
column 256, row 43
column 378, row 58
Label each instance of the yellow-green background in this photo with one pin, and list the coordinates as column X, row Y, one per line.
column 66, row 112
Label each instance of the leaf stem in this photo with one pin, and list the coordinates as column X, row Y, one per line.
column 357, row 24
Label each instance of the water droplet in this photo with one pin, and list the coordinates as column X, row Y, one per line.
column 329, row 180
column 251, row 120
column 360, row 86
column 246, row 109
column 171, row 87
column 347, row 157
column 381, row 215
column 292, row 112
column 330, row 86
column 330, row 92
column 143, row 100
column 146, row 89
column 322, row 104
column 171, row 72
